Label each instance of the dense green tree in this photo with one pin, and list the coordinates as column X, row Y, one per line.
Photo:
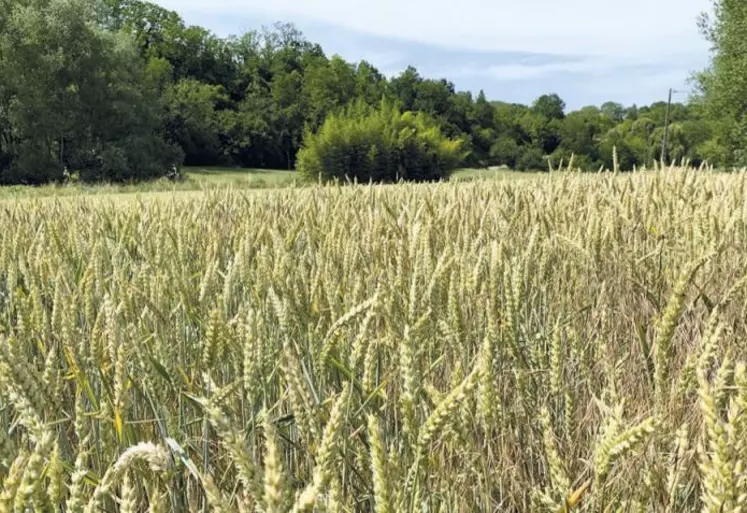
column 370, row 84
column 193, row 52
column 613, row 111
column 531, row 158
column 543, row 132
column 505, row 152
column 115, row 89
column 459, row 118
column 724, row 84
column 434, row 97
column 506, row 121
column 551, row 106
column 629, row 147
column 645, row 129
column 193, row 121
column 249, row 140
column 404, row 87
column 580, row 133
column 631, row 112
column 74, row 96
column 483, row 112
column 482, row 128
column 328, row 85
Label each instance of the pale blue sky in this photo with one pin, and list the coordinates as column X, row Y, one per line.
column 587, row 51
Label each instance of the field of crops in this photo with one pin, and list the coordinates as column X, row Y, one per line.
column 568, row 343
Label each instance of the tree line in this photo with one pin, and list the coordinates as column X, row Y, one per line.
column 122, row 90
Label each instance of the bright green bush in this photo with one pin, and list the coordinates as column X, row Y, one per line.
column 380, row 145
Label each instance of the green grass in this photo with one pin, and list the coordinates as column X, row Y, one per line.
column 466, row 175
column 241, row 178
column 196, row 179
column 210, row 178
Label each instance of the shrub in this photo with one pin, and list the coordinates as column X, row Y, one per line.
column 579, row 162
column 531, row 159
column 380, row 145
column 505, row 151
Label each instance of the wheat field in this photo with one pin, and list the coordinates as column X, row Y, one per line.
column 569, row 343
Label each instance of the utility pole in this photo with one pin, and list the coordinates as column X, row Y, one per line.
column 666, row 127
column 667, row 115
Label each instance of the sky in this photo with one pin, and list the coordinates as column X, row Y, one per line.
column 587, row 51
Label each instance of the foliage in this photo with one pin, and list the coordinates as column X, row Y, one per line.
column 549, row 106
column 505, row 152
column 249, row 100
column 193, row 121
column 381, row 145
column 531, row 159
column 724, row 84
column 74, row 96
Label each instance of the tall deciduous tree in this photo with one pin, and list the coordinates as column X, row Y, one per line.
column 101, row 87
column 724, row 84
column 193, row 120
column 75, row 96
column 550, row 106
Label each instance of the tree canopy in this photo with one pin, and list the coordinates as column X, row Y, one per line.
column 724, row 83
column 75, row 96
column 125, row 89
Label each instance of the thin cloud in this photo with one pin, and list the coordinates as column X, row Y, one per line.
column 588, row 51
column 518, row 72
column 590, row 67
column 572, row 27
